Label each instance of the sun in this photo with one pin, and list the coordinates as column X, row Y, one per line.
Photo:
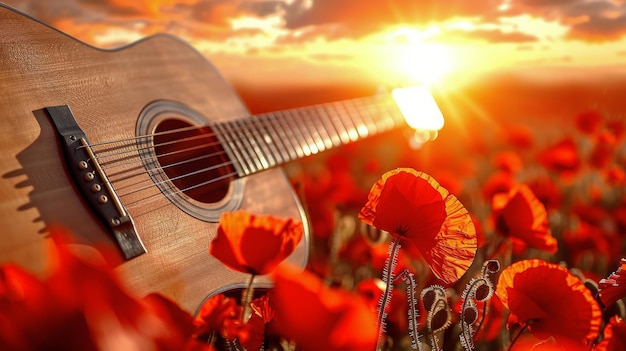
column 418, row 59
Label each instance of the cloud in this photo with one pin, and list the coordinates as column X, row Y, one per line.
column 599, row 29
column 588, row 20
column 489, row 35
column 367, row 17
column 305, row 21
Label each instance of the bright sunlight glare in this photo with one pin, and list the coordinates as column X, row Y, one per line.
column 419, row 60
column 419, row 108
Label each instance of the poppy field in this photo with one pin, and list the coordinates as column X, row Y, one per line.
column 507, row 237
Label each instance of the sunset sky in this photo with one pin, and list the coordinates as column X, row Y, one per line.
column 391, row 41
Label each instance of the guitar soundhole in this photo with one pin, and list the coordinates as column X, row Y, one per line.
column 193, row 160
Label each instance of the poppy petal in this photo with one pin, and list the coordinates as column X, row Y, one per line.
column 519, row 214
column 318, row 317
column 254, row 244
column 568, row 311
column 414, row 206
column 613, row 287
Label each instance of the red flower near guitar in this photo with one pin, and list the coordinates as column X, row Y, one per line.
column 414, row 206
column 318, row 317
column 81, row 305
column 254, row 244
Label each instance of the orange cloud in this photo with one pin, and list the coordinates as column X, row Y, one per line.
column 491, row 36
column 590, row 21
column 151, row 8
column 366, row 17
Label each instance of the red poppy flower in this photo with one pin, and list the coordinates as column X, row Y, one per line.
column 520, row 216
column 589, row 122
column 499, row 182
column 220, row 314
column 528, row 342
column 613, row 287
column 415, row 207
column 615, row 176
column 508, row 161
column 317, row 317
column 519, row 136
column 562, row 158
column 359, row 252
column 616, row 127
column 81, row 305
column 550, row 301
column 583, row 238
column 24, row 308
column 254, row 244
column 603, row 150
column 547, row 192
column 614, row 336
column 262, row 314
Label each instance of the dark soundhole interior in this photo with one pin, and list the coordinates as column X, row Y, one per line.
column 194, row 160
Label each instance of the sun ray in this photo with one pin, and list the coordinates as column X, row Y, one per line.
column 417, row 58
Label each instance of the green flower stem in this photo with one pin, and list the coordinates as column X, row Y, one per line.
column 246, row 299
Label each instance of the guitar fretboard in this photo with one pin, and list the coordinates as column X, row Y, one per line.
column 271, row 139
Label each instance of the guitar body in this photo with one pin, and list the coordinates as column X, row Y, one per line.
column 107, row 92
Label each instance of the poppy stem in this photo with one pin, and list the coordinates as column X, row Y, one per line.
column 482, row 316
column 246, row 299
column 517, row 336
column 385, row 298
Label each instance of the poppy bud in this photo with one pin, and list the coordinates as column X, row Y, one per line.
column 483, row 290
column 470, row 314
column 439, row 317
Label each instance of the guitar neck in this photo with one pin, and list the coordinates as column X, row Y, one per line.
column 271, row 139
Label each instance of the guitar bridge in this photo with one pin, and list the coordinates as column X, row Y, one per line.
column 93, row 184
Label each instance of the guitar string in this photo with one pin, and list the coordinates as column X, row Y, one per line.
column 131, row 149
column 224, row 164
column 127, row 175
column 317, row 141
column 188, row 188
column 338, row 107
column 222, row 177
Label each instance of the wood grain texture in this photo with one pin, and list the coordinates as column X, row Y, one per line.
column 106, row 91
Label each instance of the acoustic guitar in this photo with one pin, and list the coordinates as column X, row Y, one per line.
column 141, row 149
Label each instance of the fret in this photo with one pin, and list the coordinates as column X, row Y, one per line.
column 369, row 119
column 350, row 127
column 238, row 139
column 383, row 118
column 288, row 136
column 311, row 133
column 287, row 152
column 389, row 121
column 296, row 132
column 258, row 145
column 247, row 140
column 355, row 116
column 338, row 124
column 380, row 116
column 325, row 118
column 228, row 143
column 271, row 139
column 314, row 116
column 266, row 141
